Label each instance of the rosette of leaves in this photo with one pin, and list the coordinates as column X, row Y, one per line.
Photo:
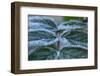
column 48, row 40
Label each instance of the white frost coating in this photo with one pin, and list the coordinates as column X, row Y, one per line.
column 69, row 30
column 58, row 54
column 41, row 42
column 38, row 25
column 74, row 21
column 79, row 43
column 65, row 43
column 72, row 24
column 34, row 49
column 41, row 18
column 68, row 27
column 48, row 31
column 35, row 18
column 31, row 51
column 75, row 46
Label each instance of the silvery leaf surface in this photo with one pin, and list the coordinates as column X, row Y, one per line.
column 42, row 22
column 43, row 53
column 41, row 38
column 73, row 25
column 73, row 52
column 47, row 40
column 73, row 42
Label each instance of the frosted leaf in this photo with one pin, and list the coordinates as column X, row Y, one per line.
column 72, row 24
column 42, row 53
column 45, row 20
column 47, row 40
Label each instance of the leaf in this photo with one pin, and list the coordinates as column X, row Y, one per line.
column 42, row 43
column 74, row 53
column 45, row 22
column 76, row 35
column 40, row 37
column 47, row 40
column 39, row 34
column 72, row 25
column 42, row 53
column 73, row 41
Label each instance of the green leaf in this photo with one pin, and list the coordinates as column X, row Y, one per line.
column 48, row 41
column 40, row 34
column 74, row 53
column 76, row 36
column 43, row 20
column 43, row 53
column 72, row 25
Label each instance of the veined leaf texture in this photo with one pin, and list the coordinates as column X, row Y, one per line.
column 49, row 39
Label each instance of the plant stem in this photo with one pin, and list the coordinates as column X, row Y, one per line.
column 58, row 45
